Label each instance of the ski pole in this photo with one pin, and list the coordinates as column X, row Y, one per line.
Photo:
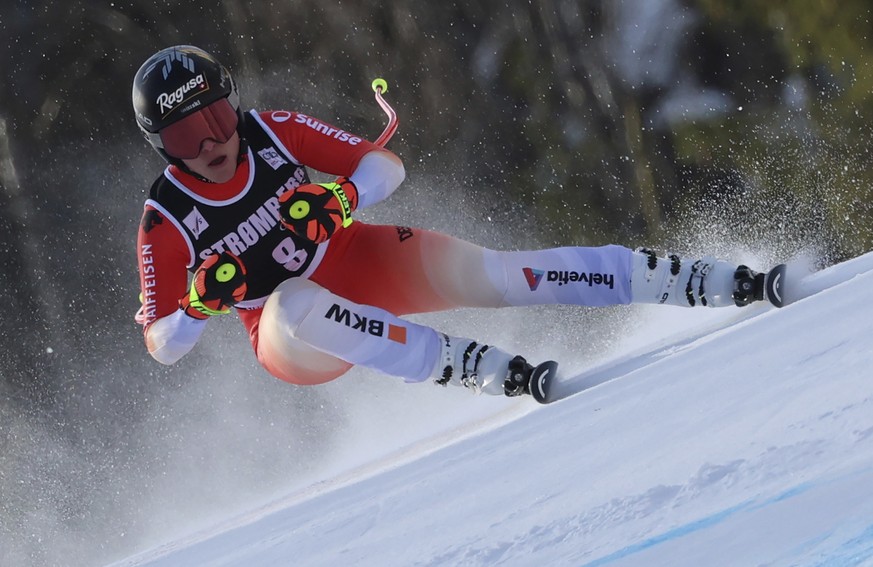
column 381, row 86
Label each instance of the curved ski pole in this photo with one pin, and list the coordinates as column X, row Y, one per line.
column 381, row 86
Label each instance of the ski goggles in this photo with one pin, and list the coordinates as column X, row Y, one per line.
column 217, row 121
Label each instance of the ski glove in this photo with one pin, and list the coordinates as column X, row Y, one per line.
column 315, row 211
column 219, row 284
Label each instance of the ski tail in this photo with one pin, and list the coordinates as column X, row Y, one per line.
column 775, row 284
column 541, row 380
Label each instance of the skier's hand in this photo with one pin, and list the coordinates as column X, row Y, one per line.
column 219, row 284
column 316, row 211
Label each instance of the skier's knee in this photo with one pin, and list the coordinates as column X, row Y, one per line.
column 282, row 351
column 291, row 302
column 301, row 376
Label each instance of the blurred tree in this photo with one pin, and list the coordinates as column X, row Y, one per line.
column 797, row 131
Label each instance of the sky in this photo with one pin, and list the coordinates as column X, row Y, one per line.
column 731, row 437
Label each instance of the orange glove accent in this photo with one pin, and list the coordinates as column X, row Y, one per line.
column 219, row 284
column 316, row 211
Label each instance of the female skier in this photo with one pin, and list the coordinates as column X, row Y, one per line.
column 319, row 293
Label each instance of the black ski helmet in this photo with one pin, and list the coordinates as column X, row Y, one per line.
column 174, row 83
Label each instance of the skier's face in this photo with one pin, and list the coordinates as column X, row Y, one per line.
column 216, row 162
column 206, row 140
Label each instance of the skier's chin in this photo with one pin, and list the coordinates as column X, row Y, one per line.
column 221, row 172
column 218, row 170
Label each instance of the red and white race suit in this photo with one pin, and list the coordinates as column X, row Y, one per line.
column 313, row 311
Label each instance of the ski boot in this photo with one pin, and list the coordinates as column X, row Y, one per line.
column 490, row 370
column 749, row 286
column 707, row 282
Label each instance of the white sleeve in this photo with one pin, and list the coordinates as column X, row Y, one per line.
column 172, row 337
column 377, row 176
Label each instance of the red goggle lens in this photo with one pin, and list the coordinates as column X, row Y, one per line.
column 183, row 139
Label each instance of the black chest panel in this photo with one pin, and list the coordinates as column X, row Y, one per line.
column 247, row 224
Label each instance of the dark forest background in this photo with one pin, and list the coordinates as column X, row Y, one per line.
column 567, row 122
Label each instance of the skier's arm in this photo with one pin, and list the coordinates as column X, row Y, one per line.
column 377, row 175
column 170, row 338
column 375, row 171
column 163, row 257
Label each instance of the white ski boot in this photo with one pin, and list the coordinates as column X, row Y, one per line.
column 707, row 281
column 488, row 369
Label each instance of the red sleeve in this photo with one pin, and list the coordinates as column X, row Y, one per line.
column 163, row 257
column 317, row 144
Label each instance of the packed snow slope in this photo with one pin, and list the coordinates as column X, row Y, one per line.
column 745, row 443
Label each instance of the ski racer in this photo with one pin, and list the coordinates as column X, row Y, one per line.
column 318, row 293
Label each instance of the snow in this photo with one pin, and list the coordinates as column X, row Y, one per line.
column 723, row 437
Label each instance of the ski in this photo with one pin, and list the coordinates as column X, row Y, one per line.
column 541, row 379
column 774, row 285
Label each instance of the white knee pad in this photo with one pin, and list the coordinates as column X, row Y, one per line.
column 682, row 281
